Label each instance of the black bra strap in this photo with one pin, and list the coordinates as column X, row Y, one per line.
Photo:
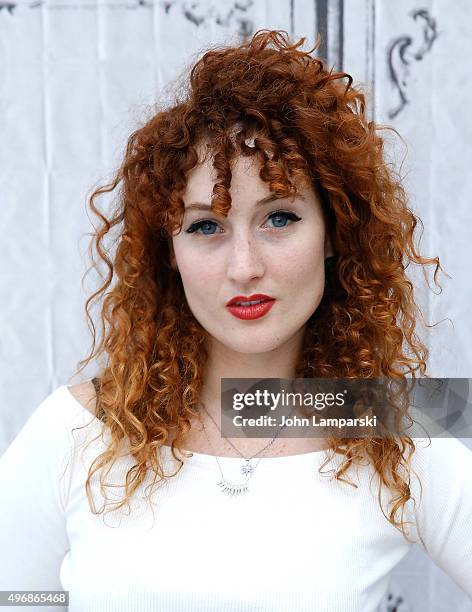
column 100, row 413
column 96, row 384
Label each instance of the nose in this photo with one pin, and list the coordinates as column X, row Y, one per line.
column 245, row 261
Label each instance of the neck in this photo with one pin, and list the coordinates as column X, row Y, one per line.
column 224, row 363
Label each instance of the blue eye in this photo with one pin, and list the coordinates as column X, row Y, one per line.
column 207, row 224
column 280, row 214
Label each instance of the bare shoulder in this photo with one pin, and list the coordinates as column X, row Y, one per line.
column 85, row 394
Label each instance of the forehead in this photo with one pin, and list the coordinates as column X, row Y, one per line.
column 244, row 178
column 246, row 185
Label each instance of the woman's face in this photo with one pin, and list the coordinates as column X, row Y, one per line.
column 254, row 250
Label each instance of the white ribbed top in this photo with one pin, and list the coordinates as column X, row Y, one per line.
column 297, row 540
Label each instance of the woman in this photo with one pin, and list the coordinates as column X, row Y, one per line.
column 306, row 216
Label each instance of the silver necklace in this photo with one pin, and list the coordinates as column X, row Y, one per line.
column 247, row 469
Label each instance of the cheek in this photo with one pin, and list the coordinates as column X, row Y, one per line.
column 303, row 262
column 198, row 273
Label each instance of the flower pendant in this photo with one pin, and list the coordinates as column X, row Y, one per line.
column 247, row 469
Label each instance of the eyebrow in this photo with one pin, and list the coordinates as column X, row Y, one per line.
column 270, row 198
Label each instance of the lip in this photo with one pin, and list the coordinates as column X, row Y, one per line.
column 250, row 312
column 251, row 298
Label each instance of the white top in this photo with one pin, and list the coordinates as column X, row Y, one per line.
column 296, row 541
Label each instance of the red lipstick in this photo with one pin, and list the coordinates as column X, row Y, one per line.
column 239, row 308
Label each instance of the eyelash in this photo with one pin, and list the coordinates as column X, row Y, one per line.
column 198, row 224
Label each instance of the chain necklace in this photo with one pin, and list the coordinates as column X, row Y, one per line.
column 231, row 488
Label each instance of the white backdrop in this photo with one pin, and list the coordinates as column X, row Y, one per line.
column 76, row 77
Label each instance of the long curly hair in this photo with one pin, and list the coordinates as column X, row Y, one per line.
column 307, row 123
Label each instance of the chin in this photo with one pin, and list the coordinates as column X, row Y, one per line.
column 250, row 342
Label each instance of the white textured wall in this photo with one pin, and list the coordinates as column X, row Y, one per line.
column 76, row 77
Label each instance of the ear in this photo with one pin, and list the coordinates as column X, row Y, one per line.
column 173, row 261
column 328, row 246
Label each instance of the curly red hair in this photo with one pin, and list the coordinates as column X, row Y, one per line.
column 307, row 124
